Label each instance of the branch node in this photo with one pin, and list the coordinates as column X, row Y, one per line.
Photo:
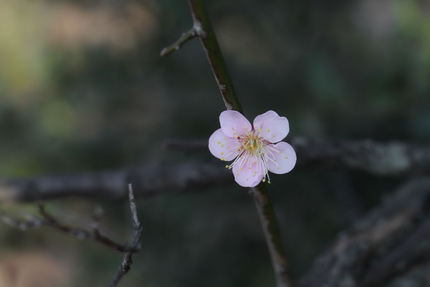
column 198, row 28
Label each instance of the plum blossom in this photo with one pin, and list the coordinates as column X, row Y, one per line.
column 254, row 149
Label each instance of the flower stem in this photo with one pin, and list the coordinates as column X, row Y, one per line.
column 203, row 27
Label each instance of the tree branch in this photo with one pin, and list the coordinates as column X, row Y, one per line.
column 185, row 37
column 384, row 246
column 46, row 219
column 392, row 158
column 376, row 158
column 203, row 27
column 148, row 180
column 272, row 235
column 137, row 234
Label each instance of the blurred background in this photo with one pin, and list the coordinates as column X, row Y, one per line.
column 83, row 88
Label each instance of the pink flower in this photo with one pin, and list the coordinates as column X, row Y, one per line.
column 256, row 149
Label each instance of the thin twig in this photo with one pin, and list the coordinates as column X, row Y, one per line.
column 206, row 34
column 185, row 37
column 48, row 220
column 137, row 234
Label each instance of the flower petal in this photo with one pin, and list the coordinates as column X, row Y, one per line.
column 248, row 172
column 234, row 124
column 283, row 157
column 222, row 146
column 271, row 126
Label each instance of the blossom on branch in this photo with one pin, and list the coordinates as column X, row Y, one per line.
column 256, row 149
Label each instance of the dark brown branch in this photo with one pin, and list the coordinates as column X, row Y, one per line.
column 390, row 243
column 272, row 235
column 185, row 37
column 48, row 220
column 148, row 180
column 203, row 27
column 137, row 234
column 392, row 158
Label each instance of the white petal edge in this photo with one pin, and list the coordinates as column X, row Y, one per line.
column 271, row 126
column 234, row 124
column 248, row 172
column 222, row 146
column 283, row 158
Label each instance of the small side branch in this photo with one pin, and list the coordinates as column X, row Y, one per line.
column 185, row 37
column 49, row 220
column 137, row 234
column 46, row 219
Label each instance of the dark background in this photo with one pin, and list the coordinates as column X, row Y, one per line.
column 83, row 88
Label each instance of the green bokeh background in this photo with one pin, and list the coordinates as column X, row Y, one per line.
column 82, row 88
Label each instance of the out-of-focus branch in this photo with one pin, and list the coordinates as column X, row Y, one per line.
column 148, row 180
column 137, row 234
column 185, row 37
column 46, row 219
column 389, row 245
column 393, row 158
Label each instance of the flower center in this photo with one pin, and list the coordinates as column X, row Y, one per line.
column 252, row 144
